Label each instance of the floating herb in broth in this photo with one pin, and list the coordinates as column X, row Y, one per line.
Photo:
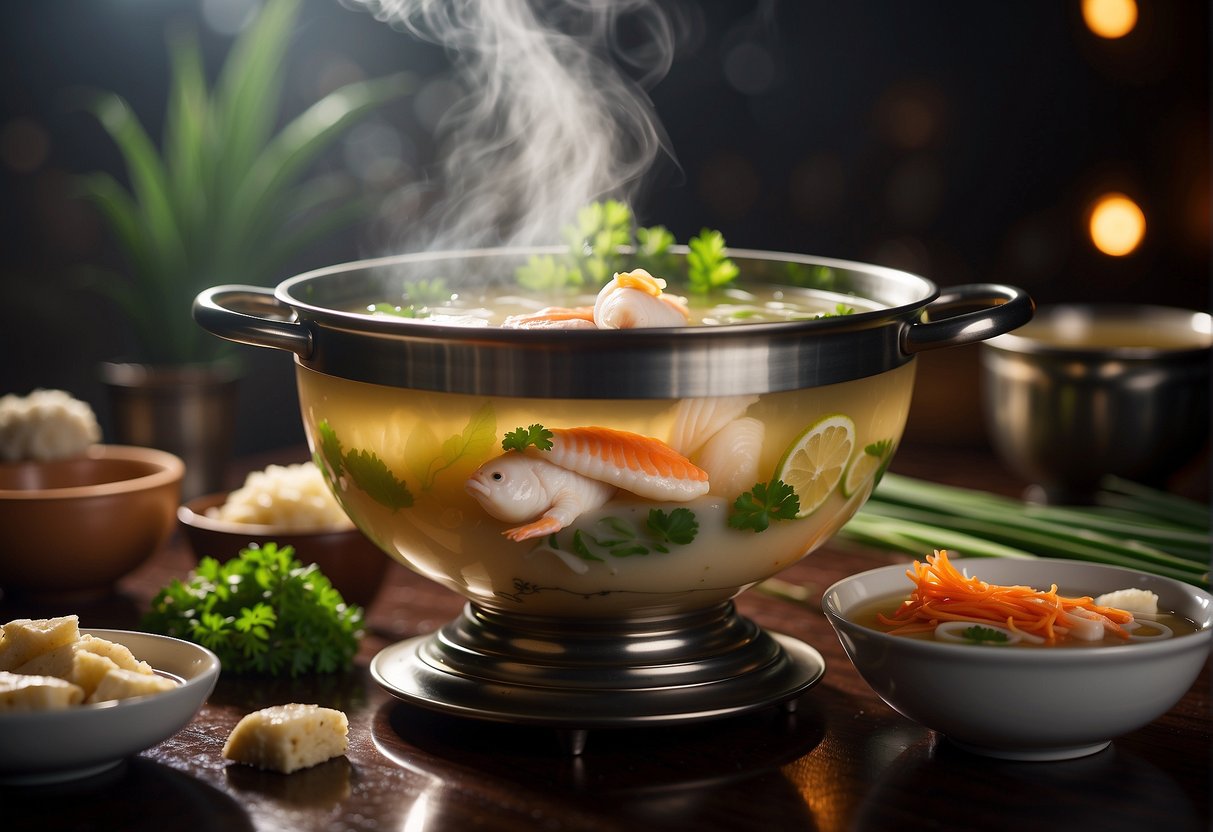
column 605, row 241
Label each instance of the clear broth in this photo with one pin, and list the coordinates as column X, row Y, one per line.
column 866, row 616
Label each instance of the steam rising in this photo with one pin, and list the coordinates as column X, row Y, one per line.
column 550, row 120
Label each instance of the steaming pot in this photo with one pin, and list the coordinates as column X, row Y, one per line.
column 401, row 414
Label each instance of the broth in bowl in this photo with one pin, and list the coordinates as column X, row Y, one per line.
column 784, row 471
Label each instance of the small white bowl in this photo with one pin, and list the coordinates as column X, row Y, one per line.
column 53, row 746
column 1026, row 703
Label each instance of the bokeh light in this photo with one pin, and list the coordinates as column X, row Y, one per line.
column 1110, row 18
column 1117, row 225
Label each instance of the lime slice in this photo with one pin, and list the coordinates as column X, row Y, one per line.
column 866, row 464
column 814, row 463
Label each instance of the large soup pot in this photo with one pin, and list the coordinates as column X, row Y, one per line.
column 401, row 413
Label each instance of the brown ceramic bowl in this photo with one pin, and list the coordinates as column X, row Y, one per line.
column 353, row 563
column 75, row 526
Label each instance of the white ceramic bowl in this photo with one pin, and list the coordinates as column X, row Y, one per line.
column 51, row 746
column 1023, row 703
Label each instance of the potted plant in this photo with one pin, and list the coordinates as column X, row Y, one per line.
column 227, row 198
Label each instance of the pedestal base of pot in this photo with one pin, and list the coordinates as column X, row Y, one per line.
column 578, row 675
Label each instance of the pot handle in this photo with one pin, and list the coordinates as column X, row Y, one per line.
column 1000, row 309
column 252, row 315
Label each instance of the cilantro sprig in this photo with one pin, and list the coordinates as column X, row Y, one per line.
column 262, row 612
column 521, row 438
column 984, row 635
column 708, row 264
column 766, row 501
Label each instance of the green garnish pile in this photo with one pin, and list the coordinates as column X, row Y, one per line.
column 594, row 242
column 261, row 612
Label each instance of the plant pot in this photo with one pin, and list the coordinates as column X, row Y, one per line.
column 188, row 410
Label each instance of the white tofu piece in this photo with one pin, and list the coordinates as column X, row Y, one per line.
column 1130, row 600
column 119, row 654
column 22, row 692
column 123, row 684
column 287, row 738
column 88, row 669
column 57, row 663
column 27, row 638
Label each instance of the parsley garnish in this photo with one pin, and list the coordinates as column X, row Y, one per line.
column 518, row 440
column 708, row 266
column 678, row 527
column 984, row 635
column 261, row 612
column 766, row 501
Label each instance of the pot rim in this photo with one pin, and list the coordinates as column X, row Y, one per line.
column 1025, row 343
column 305, row 315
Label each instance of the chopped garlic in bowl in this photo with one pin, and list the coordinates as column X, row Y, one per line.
column 45, row 425
column 286, row 496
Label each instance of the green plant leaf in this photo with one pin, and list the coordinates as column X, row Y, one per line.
column 374, row 477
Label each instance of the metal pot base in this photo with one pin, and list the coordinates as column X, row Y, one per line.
column 612, row 673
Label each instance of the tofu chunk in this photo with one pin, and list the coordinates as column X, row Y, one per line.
column 287, row 738
column 22, row 692
column 1130, row 600
column 119, row 654
column 27, row 638
column 88, row 669
column 123, row 684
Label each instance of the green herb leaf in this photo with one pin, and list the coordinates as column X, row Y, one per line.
column 261, row 612
column 544, row 273
column 708, row 265
column 330, row 452
column 984, row 635
column 679, row 526
column 756, row 508
column 374, row 477
column 520, row 439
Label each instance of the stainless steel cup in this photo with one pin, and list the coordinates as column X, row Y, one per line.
column 1083, row 391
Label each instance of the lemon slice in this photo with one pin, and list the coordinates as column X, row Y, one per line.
column 813, row 465
column 866, row 464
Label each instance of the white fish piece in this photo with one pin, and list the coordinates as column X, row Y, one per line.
column 731, row 456
column 636, row 300
column 640, row 464
column 698, row 420
column 514, row 487
column 582, row 470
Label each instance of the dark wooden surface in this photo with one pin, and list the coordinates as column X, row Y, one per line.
column 842, row 761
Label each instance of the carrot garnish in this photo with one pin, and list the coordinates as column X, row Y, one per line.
column 942, row 593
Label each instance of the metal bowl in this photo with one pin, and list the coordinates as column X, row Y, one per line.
column 400, row 413
column 1084, row 391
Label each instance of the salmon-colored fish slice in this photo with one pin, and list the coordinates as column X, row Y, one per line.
column 554, row 317
column 640, row 464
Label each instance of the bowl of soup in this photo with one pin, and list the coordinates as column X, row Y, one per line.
column 603, row 470
column 1017, row 695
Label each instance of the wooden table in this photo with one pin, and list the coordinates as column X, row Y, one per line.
column 841, row 761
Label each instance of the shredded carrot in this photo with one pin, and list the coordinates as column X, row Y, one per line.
column 943, row 593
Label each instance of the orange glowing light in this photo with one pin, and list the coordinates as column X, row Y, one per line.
column 1110, row 18
column 1117, row 225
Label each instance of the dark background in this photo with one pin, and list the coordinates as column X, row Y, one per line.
column 961, row 140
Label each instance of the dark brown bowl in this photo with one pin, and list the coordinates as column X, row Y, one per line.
column 353, row 563
column 73, row 527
